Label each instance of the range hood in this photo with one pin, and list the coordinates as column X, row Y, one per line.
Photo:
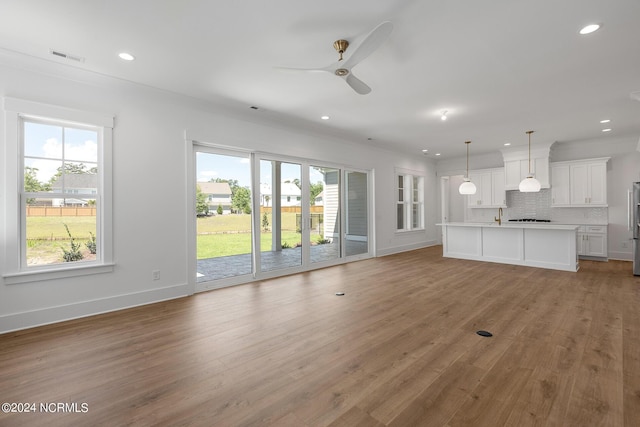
column 516, row 165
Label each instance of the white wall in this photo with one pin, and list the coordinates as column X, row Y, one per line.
column 149, row 152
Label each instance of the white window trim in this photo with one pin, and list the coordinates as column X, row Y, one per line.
column 12, row 271
column 408, row 199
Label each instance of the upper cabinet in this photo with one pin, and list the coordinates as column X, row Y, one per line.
column 579, row 183
column 516, row 166
column 490, row 191
column 560, row 193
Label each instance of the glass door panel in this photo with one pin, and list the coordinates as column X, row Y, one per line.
column 357, row 216
column 280, row 215
column 324, row 214
column 223, row 210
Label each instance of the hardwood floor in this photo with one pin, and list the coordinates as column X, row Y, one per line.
column 398, row 349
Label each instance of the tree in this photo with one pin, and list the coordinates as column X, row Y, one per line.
column 202, row 207
column 219, row 211
column 241, row 200
column 31, row 183
column 315, row 189
column 72, row 169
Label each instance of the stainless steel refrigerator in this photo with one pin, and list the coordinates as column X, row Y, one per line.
column 636, row 228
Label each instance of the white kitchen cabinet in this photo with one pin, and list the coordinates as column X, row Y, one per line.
column 490, row 191
column 516, row 166
column 579, row 183
column 589, row 184
column 560, row 188
column 498, row 195
column 592, row 241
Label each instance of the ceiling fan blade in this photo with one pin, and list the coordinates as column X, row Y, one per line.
column 374, row 39
column 308, row 70
column 356, row 84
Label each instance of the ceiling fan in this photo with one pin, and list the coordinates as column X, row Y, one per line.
column 371, row 42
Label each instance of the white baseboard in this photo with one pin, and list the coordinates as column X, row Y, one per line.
column 621, row 256
column 405, row 248
column 30, row 319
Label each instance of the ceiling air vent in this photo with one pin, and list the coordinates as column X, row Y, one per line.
column 66, row 55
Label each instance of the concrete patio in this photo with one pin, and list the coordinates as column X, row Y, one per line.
column 237, row 265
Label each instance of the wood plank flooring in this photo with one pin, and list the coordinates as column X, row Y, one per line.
column 398, row 349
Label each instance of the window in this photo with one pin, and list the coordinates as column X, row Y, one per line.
column 409, row 201
column 59, row 167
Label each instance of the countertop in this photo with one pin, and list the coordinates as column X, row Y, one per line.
column 506, row 224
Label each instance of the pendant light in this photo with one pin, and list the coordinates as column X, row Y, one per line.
column 529, row 184
column 467, row 187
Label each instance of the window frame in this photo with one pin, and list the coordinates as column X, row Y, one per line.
column 408, row 193
column 16, row 112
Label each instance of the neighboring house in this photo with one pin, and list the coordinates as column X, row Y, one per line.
column 75, row 183
column 290, row 195
column 217, row 194
column 319, row 200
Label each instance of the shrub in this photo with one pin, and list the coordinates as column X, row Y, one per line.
column 285, row 245
column 323, row 241
column 73, row 254
column 219, row 210
column 91, row 243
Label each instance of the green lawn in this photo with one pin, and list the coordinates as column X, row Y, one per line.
column 47, row 235
column 215, row 245
column 51, row 227
column 219, row 235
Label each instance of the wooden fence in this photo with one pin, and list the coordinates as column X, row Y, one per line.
column 91, row 211
column 60, row 211
column 292, row 209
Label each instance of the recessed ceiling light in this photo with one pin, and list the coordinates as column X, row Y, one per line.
column 425, row 151
column 325, row 117
column 437, row 154
column 443, row 117
column 589, row 29
column 605, row 121
column 126, row 56
column 606, row 130
column 506, row 144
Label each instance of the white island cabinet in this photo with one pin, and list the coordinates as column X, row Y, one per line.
column 551, row 246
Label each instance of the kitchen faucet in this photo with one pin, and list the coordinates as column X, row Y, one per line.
column 499, row 218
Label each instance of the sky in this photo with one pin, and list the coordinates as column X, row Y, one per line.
column 45, row 146
column 211, row 166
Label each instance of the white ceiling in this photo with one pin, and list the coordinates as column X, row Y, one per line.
column 500, row 67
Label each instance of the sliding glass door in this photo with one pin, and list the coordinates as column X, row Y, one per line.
column 280, row 215
column 325, row 236
column 223, row 216
column 261, row 216
column 357, row 213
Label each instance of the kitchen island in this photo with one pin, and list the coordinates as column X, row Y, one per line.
column 552, row 246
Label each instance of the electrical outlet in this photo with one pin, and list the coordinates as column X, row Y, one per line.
column 156, row 274
column 625, row 244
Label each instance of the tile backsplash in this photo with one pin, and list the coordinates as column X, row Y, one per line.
column 529, row 205
column 538, row 206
